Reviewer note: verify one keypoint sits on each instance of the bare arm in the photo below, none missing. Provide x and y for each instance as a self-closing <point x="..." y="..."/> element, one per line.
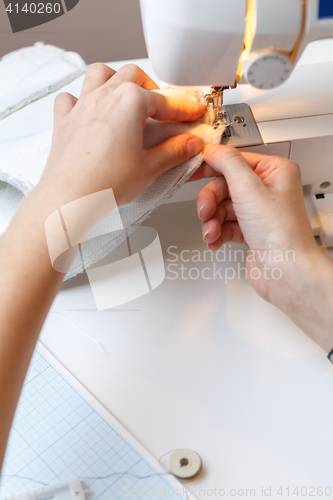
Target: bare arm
<point x="27" y="288"/>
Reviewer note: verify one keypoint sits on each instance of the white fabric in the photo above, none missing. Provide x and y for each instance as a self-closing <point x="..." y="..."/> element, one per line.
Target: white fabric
<point x="26" y="109"/>
<point x="28" y="74"/>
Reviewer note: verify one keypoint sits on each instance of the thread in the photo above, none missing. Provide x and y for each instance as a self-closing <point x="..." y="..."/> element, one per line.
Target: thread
<point x="95" y="478"/>
<point x="98" y="478"/>
<point x="81" y="331"/>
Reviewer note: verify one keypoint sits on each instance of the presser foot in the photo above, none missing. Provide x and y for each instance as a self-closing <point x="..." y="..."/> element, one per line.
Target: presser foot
<point x="241" y="128"/>
<point x="216" y="100"/>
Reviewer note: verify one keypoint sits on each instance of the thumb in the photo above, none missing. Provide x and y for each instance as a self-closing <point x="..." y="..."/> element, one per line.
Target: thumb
<point x="173" y="152"/>
<point x="231" y="164"/>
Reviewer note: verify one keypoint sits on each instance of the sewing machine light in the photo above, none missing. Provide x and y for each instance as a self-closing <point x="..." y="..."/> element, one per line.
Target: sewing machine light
<point x="250" y="31"/>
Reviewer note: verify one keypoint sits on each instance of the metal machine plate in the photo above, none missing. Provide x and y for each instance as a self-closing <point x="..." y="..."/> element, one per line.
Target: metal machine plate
<point x="243" y="130"/>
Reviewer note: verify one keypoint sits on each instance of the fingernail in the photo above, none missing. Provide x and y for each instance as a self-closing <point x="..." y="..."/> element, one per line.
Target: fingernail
<point x="210" y="148"/>
<point x="205" y="236"/>
<point x="199" y="208"/>
<point x="194" y="146"/>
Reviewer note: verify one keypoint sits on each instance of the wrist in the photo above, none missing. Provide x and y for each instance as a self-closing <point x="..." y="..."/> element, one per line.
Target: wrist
<point x="58" y="190"/>
<point x="68" y="225"/>
<point x="305" y="294"/>
<point x="25" y="239"/>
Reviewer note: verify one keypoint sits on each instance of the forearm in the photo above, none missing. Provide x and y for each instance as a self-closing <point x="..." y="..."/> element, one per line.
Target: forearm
<point x="305" y="294"/>
<point x="27" y="288"/>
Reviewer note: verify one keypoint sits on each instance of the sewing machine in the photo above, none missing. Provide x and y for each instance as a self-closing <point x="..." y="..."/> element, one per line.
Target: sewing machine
<point x="250" y="54"/>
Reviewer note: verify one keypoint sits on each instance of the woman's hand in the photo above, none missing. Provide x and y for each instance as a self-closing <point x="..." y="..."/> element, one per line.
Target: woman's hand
<point x="97" y="140"/>
<point x="258" y="200"/>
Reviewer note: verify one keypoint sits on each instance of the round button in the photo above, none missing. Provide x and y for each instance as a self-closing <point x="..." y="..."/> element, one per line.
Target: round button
<point x="185" y="463"/>
<point x="267" y="70"/>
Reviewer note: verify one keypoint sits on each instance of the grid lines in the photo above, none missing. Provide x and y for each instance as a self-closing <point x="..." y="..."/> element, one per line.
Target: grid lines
<point x="57" y="435"/>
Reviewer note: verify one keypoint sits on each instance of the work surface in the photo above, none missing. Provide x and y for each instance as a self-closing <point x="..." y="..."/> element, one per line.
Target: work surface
<point x="208" y="365"/>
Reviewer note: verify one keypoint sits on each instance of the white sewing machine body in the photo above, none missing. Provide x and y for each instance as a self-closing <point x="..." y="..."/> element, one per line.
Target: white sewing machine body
<point x="295" y="121"/>
<point x="218" y="43"/>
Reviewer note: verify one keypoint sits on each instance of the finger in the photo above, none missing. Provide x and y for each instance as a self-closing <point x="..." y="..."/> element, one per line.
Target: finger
<point x="234" y="167"/>
<point x="132" y="73"/>
<point x="259" y="161"/>
<point x="211" y="230"/>
<point x="210" y="196"/>
<point x="253" y="159"/>
<point x="63" y="104"/>
<point x="204" y="172"/>
<point x="225" y="211"/>
<point x="230" y="232"/>
<point x="165" y="108"/>
<point x="173" y="152"/>
<point x="97" y="74"/>
<point x="143" y="104"/>
<point x="267" y="166"/>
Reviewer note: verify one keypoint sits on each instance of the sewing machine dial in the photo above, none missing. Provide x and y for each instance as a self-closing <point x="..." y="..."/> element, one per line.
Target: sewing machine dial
<point x="267" y="70"/>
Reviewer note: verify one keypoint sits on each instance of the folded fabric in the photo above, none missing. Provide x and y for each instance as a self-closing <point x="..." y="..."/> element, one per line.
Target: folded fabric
<point x="32" y="72"/>
<point x="26" y="122"/>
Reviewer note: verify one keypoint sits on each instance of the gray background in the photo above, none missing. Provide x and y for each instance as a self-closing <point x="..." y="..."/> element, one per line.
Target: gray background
<point x="100" y="30"/>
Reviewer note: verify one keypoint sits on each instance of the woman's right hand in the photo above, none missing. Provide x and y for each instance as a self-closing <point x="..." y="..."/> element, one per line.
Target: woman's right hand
<point x="255" y="198"/>
<point x="258" y="200"/>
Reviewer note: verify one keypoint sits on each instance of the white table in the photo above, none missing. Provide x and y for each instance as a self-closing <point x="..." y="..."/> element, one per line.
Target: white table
<point x="206" y="365"/>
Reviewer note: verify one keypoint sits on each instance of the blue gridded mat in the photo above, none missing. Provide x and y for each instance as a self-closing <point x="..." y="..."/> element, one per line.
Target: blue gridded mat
<point x="58" y="435"/>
